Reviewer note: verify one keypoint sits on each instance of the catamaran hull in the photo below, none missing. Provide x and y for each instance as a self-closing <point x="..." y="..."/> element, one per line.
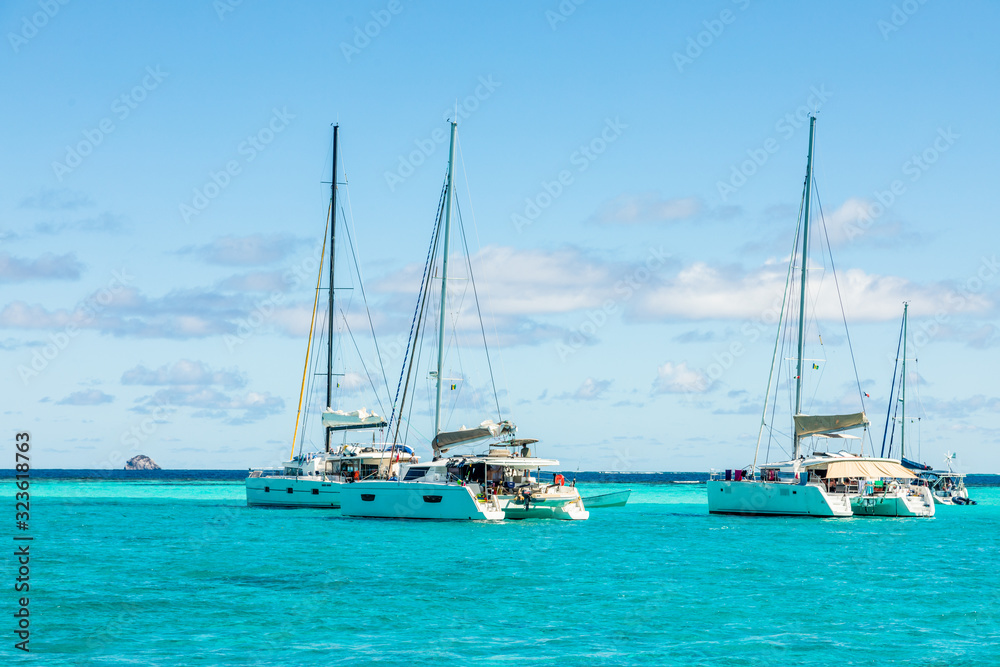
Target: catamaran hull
<point x="774" y="499"/>
<point x="894" y="505"/>
<point x="567" y="509"/>
<point x="415" y="500"/>
<point x="292" y="492"/>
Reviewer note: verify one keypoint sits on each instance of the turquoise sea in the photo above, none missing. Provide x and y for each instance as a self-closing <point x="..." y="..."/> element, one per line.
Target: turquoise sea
<point x="160" y="572"/>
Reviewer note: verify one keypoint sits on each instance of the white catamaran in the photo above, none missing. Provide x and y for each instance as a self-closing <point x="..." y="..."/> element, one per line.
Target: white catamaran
<point x="942" y="487"/>
<point x="801" y="485"/>
<point x="500" y="483"/>
<point x="314" y="479"/>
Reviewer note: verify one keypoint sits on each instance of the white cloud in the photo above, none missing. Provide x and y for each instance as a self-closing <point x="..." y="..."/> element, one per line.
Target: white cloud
<point x="51" y="199"/>
<point x="45" y="267"/>
<point x="213" y="404"/>
<point x="252" y="250"/>
<point x="679" y="379"/>
<point x="702" y="292"/>
<point x="184" y="372"/>
<point x="648" y="207"/>
<point x="86" y="397"/>
<point x="590" y="390"/>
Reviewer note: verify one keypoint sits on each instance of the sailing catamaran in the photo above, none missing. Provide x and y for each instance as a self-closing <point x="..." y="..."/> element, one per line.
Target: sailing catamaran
<point x="942" y="487"/>
<point x="798" y="486"/>
<point x="314" y="479"/>
<point x="496" y="485"/>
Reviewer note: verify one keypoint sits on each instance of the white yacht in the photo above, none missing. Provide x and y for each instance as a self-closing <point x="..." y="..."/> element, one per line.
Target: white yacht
<point x="947" y="487"/>
<point x="493" y="485"/>
<point x="797" y="486"/>
<point x="314" y="479"/>
<point x="885" y="486"/>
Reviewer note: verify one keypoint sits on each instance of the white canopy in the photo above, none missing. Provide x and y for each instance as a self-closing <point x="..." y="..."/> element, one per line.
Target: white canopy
<point x="338" y="420"/>
<point x="820" y="424"/>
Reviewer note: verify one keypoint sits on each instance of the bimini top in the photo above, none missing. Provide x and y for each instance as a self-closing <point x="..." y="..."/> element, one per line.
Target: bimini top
<point x="821" y="424"/>
<point x="338" y="420"/>
<point x="445" y="440"/>
<point x="867" y="468"/>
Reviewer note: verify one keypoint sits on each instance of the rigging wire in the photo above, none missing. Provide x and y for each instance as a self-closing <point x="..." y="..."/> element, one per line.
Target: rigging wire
<point x="363" y="366"/>
<point x="415" y="325"/>
<point x="775" y="358"/>
<point x="482" y="328"/>
<point x="892" y="395"/>
<point x="843" y="312"/>
<point x="361" y="283"/>
<point x="298" y="412"/>
<point x="489" y="293"/>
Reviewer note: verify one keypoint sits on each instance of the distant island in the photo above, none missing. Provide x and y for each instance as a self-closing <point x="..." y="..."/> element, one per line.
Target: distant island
<point x="141" y="462"/>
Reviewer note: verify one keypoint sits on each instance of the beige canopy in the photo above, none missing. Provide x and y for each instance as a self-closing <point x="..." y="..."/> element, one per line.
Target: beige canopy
<point x="867" y="468"/>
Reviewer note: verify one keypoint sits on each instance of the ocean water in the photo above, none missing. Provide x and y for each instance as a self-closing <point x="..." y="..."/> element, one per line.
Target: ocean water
<point x="182" y="572"/>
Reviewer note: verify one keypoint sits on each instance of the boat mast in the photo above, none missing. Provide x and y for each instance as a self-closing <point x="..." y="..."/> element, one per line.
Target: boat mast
<point x="444" y="275"/>
<point x="333" y="236"/>
<point x="802" y="296"/>
<point x="902" y="390"/>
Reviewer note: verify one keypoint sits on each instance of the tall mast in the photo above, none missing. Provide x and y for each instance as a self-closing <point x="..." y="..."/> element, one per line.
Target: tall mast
<point x="802" y="296"/>
<point x="444" y="275"/>
<point x="333" y="237"/>
<point x="902" y="428"/>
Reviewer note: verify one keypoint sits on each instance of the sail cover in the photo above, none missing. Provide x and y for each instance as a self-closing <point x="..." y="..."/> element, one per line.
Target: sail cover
<point x="870" y="469"/>
<point x="445" y="440"/>
<point x="338" y="420"/>
<point x="818" y="424"/>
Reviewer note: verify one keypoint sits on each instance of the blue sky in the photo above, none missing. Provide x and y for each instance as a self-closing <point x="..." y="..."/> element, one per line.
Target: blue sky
<point x="163" y="168"/>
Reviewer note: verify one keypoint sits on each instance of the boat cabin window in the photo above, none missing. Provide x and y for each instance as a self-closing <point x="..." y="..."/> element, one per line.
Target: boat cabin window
<point x="415" y="472"/>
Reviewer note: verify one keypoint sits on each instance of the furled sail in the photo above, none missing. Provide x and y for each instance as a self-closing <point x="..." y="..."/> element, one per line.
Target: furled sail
<point x="338" y="420"/>
<point x="445" y="440"/>
<point x="819" y="424"/>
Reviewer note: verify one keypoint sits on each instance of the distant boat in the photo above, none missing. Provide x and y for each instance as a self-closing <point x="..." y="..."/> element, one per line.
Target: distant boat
<point x="616" y="499"/>
<point x="947" y="486"/>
